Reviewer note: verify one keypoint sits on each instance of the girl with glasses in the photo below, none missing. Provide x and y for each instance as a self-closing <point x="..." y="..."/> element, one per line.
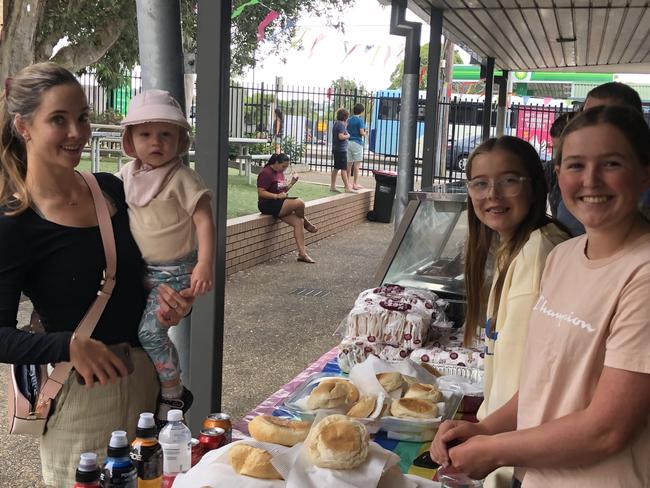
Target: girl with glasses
<point x="580" y="415"/>
<point x="507" y="221"/>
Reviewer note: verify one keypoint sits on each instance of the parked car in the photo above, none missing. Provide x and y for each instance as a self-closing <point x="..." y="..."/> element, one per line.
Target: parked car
<point x="458" y="151"/>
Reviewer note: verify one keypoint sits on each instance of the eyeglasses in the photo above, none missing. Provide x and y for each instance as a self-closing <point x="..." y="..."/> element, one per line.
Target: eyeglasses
<point x="507" y="186"/>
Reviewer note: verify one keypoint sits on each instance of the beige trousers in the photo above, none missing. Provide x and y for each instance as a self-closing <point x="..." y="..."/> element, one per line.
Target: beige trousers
<point x="83" y="418"/>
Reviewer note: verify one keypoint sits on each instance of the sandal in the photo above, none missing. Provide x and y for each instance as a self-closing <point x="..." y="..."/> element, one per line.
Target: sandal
<point x="309" y="227"/>
<point x="305" y="259"/>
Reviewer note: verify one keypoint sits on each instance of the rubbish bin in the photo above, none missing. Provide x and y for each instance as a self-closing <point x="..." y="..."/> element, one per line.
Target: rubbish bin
<point x="385" y="186"/>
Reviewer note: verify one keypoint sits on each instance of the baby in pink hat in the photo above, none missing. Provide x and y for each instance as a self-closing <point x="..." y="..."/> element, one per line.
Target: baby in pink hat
<point x="171" y="220"/>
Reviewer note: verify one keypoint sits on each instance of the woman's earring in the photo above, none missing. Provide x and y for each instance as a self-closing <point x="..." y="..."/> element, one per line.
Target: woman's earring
<point x="26" y="137"/>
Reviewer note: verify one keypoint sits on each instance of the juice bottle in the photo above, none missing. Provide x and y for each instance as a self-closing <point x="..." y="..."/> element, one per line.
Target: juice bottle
<point x="146" y="453"/>
<point x="118" y="470"/>
<point x="87" y="475"/>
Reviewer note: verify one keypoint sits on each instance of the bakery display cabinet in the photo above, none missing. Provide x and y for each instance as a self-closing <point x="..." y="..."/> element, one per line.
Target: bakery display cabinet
<point x="427" y="248"/>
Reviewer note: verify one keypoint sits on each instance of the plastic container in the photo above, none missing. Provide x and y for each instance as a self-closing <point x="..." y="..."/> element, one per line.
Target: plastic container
<point x="118" y="470"/>
<point x="385" y="187"/>
<point x="146" y="453"/>
<point x="176" y="441"/>
<point x="88" y="473"/>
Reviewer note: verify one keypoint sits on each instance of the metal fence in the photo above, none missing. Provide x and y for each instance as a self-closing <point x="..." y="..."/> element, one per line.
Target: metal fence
<point x="308" y="115"/>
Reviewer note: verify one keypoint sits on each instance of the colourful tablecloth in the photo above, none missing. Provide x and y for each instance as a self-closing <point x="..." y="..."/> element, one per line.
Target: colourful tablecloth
<point x="407" y="451"/>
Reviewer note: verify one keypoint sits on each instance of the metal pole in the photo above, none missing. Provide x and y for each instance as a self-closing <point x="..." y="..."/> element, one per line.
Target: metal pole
<point x="213" y="78"/>
<point x="487" y="104"/>
<point x="502" y="81"/>
<point x="161" y="46"/>
<point x="430" y="119"/>
<point x="408" y="106"/>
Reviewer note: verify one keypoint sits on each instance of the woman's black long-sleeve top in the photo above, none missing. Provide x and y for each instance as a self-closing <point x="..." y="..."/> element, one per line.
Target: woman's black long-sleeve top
<point x="59" y="268"/>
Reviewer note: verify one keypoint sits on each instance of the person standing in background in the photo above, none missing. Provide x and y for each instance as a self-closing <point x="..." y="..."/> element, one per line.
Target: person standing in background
<point x="340" y="138"/>
<point x="357" y="131"/>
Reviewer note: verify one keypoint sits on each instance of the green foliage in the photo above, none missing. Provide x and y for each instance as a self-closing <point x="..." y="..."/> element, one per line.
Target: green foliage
<point x="396" y="77"/>
<point x="343" y="91"/>
<point x="291" y="147"/>
<point x="280" y="33"/>
<point x="108" y="116"/>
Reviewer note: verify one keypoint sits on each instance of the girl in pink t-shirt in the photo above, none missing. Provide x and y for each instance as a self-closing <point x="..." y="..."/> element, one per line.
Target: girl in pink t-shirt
<point x="580" y="417"/>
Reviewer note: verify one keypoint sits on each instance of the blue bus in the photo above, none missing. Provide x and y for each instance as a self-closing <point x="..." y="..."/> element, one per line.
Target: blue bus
<point x="384" y="122"/>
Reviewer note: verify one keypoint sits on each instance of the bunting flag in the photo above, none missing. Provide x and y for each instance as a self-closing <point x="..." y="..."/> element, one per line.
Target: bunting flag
<point x="374" y="57"/>
<point x="270" y="17"/>
<point x="290" y="24"/>
<point x="238" y="11"/>
<point x="319" y="38"/>
<point x="369" y="47"/>
<point x="387" y="56"/>
<point x="296" y="42"/>
<point x="347" y="53"/>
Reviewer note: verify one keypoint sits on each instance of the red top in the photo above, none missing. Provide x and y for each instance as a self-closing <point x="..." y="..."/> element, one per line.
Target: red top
<point x="271" y="181"/>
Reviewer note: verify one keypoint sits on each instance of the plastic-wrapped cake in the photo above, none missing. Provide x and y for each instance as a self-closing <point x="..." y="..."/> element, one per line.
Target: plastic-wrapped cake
<point x="389" y="321"/>
<point x="447" y="348"/>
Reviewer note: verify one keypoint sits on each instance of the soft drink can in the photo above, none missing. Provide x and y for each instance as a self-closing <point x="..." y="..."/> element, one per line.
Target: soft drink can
<point x="220" y="420"/>
<point x="212" y="439"/>
<point x="197" y="451"/>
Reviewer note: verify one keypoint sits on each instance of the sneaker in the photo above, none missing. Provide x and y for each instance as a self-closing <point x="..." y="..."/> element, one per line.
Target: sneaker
<point x="166" y="404"/>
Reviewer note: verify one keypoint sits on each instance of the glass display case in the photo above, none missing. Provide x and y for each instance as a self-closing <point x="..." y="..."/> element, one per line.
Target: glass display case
<point x="427" y="249"/>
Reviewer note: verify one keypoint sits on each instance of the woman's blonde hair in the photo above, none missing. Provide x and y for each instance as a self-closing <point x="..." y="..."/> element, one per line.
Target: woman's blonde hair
<point x="481" y="238"/>
<point x="22" y="96"/>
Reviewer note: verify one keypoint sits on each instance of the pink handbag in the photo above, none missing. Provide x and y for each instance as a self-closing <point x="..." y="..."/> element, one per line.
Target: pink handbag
<point x="31" y="388"/>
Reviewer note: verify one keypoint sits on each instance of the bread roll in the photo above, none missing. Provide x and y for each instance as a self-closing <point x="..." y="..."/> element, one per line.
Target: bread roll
<point x="337" y="442"/>
<point x="363" y="408"/>
<point x="424" y="391"/>
<point x="267" y="428"/>
<point x="251" y="461"/>
<point x="413" y="408"/>
<point x="332" y="393"/>
<point x="390" y="381"/>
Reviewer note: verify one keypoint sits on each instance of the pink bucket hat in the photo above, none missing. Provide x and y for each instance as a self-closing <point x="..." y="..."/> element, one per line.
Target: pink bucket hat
<point x="153" y="106"/>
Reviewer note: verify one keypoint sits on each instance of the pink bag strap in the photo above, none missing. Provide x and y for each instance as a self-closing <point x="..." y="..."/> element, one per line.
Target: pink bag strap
<point x="61" y="371"/>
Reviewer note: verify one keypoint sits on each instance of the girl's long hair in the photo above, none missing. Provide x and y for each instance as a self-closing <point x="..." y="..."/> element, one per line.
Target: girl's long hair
<point x="482" y="240"/>
<point x="22" y="96"/>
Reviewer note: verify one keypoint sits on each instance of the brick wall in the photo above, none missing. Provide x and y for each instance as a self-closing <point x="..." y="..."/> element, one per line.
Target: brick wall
<point x="253" y="239"/>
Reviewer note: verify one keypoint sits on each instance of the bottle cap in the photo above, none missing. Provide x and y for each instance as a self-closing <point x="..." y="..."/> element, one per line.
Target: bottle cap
<point x="88" y="470"/>
<point x="118" y="446"/>
<point x="174" y="415"/>
<point x="146" y="426"/>
<point x="88" y="461"/>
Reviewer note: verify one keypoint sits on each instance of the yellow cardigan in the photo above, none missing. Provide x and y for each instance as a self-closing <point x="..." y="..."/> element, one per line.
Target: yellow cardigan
<point x="504" y="355"/>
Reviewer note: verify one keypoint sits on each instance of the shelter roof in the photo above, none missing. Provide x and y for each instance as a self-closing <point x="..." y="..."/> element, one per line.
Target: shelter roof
<point x="527" y="35"/>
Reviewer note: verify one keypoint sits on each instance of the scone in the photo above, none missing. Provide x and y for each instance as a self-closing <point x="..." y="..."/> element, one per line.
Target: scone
<point x="267" y="428"/>
<point x="337" y="442"/>
<point x="413" y="408"/>
<point x="251" y="461"/>
<point x="424" y="391"/>
<point x="363" y="408"/>
<point x="332" y="393"/>
<point x="390" y="381"/>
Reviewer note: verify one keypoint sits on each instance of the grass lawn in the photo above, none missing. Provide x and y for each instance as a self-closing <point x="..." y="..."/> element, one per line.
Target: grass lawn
<point x="242" y="197"/>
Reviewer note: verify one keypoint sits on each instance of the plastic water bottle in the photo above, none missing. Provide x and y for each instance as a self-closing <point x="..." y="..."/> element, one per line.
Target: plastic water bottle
<point x="176" y="441"/>
<point x="146" y="453"/>
<point x="118" y="470"/>
<point x="87" y="475"/>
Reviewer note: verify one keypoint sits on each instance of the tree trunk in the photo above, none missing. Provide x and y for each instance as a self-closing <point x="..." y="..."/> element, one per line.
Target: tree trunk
<point x="19" y="35"/>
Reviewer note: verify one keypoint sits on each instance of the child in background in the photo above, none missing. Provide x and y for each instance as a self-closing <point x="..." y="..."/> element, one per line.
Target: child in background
<point x="169" y="216"/>
<point x="340" y="138"/>
<point x="357" y="131"/>
<point x="507" y="189"/>
<point x="580" y="416"/>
